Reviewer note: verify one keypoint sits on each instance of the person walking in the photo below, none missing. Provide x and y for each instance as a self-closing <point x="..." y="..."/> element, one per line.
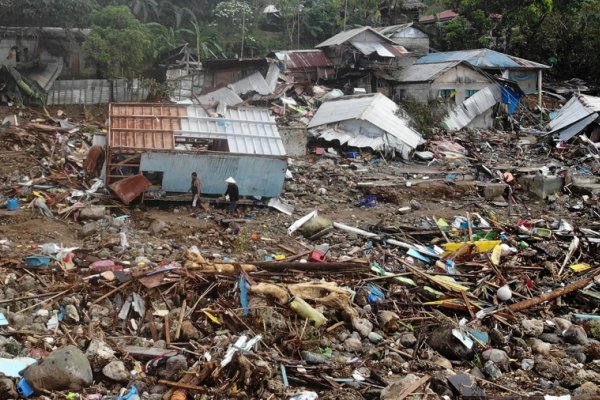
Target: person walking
<point x="196" y="189"/>
<point x="234" y="194"/>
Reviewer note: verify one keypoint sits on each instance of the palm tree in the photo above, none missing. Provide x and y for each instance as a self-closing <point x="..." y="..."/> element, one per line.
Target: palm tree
<point x="143" y="8"/>
<point x="204" y="48"/>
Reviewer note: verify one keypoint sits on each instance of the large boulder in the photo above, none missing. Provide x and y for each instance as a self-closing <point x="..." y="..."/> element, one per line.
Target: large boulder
<point x="64" y="369"/>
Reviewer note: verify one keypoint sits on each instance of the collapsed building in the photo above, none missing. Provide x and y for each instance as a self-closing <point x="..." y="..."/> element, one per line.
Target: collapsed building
<point x="167" y="142"/>
<point x="365" y="121"/>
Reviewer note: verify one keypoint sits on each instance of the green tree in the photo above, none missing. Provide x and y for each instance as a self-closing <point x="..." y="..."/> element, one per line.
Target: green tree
<point x="58" y="13"/>
<point x="119" y="44"/>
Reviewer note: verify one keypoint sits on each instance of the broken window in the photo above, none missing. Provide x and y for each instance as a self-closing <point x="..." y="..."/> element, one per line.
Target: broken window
<point x="470" y="92"/>
<point x="447" y="93"/>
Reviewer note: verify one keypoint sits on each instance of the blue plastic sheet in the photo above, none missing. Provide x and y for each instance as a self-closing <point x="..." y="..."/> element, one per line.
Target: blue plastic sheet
<point x="511" y="98"/>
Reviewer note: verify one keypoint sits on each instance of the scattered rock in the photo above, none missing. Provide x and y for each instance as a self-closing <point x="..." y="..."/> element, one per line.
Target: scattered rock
<point x="498" y="357"/>
<point x="174" y="367"/>
<point x="92" y="212"/>
<point x="408" y="339"/>
<point x="375" y="337"/>
<point x="548" y="369"/>
<point x="587" y="389"/>
<point x="532" y="327"/>
<point x="539" y="347"/>
<point x="527" y="364"/>
<point x="491" y="369"/>
<point x="575" y="334"/>
<point x="550" y="338"/>
<point x="189" y="331"/>
<point x="157" y="226"/>
<point x="446" y="344"/>
<point x="352" y="344"/>
<point x="89" y="229"/>
<point x="314" y="358"/>
<point x="64" y="369"/>
<point x="442" y="362"/>
<point x="415" y="205"/>
<point x="99" y="350"/>
<point x="71" y="313"/>
<point x="7" y="389"/>
<point x="362" y="326"/>
<point x="116" y="371"/>
<point x="594" y="328"/>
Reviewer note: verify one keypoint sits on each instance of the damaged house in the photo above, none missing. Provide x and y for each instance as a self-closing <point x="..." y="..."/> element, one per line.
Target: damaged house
<point x="528" y="74"/>
<point x="409" y="36"/>
<point x="167" y="142"/>
<point x="581" y="114"/>
<point x="190" y="78"/>
<point x="304" y="65"/>
<point x="454" y="81"/>
<point x="34" y="58"/>
<point x="365" y="121"/>
<point x="365" y="58"/>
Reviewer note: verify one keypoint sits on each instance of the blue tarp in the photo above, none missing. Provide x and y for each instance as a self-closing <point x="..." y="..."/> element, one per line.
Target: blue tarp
<point x="511" y="98"/>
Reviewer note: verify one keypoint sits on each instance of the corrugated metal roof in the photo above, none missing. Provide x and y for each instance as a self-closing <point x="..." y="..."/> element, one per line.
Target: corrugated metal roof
<point x="464" y="113"/>
<point x="302" y="59"/>
<point x="156" y="126"/>
<point x="402" y="31"/>
<point x="377" y="109"/>
<point x="442" y="16"/>
<point x="143" y="126"/>
<point x="425" y="72"/>
<point x="576" y="109"/>
<point x="130" y="188"/>
<point x="247" y="130"/>
<point x="252" y="83"/>
<point x="482" y="58"/>
<point x="222" y="95"/>
<point x="345" y="36"/>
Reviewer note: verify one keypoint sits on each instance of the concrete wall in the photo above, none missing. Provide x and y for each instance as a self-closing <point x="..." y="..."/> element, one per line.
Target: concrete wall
<point x="294" y="140"/>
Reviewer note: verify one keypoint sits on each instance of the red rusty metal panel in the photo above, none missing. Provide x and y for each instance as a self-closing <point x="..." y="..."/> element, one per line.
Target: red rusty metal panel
<point x="130" y="188"/>
<point x="144" y="126"/>
<point x="307" y="59"/>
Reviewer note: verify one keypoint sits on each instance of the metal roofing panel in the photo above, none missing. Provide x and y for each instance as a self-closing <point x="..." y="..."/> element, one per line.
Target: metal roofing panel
<point x="301" y="59"/>
<point x="252" y="83"/>
<point x="425" y="72"/>
<point x="247" y="130"/>
<point x="482" y="58"/>
<point x="345" y="36"/>
<point x="577" y="127"/>
<point x="368" y="48"/>
<point x="155" y="126"/>
<point x="130" y="188"/>
<point x="376" y="109"/>
<point x="143" y="126"/>
<point x="577" y="108"/>
<point x="464" y="113"/>
<point x="223" y="95"/>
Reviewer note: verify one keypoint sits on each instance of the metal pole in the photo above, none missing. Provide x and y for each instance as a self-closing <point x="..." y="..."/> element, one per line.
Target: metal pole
<point x="540" y="94"/>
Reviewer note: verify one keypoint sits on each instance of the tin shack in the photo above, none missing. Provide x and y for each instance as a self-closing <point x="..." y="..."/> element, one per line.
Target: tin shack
<point x="167" y="142"/>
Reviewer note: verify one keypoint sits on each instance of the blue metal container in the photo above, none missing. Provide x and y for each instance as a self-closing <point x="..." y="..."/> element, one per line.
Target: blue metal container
<point x="12" y="204"/>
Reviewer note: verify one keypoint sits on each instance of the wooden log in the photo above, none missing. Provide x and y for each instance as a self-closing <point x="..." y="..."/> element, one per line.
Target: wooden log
<point x="580" y="284"/>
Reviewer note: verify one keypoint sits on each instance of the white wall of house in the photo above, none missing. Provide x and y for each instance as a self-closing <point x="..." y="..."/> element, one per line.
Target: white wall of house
<point x="460" y="80"/>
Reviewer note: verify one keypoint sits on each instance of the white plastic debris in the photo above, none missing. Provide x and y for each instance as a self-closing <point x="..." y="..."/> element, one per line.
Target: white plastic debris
<point x="298" y="223"/>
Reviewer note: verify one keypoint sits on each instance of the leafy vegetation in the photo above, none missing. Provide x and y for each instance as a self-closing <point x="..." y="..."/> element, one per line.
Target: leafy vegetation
<point x="118" y="43"/>
<point x="564" y="33"/>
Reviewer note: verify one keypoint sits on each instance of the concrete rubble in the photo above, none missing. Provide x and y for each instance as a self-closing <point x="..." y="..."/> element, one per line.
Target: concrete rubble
<point x="470" y="270"/>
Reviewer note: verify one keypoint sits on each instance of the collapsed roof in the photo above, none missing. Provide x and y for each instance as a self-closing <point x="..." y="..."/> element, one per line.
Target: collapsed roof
<point x="576" y="115"/>
<point x="365" y="121"/>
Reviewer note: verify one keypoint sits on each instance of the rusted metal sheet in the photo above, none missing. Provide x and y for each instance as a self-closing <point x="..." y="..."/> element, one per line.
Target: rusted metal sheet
<point x="144" y="126"/>
<point x="303" y="59"/>
<point x="130" y="188"/>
